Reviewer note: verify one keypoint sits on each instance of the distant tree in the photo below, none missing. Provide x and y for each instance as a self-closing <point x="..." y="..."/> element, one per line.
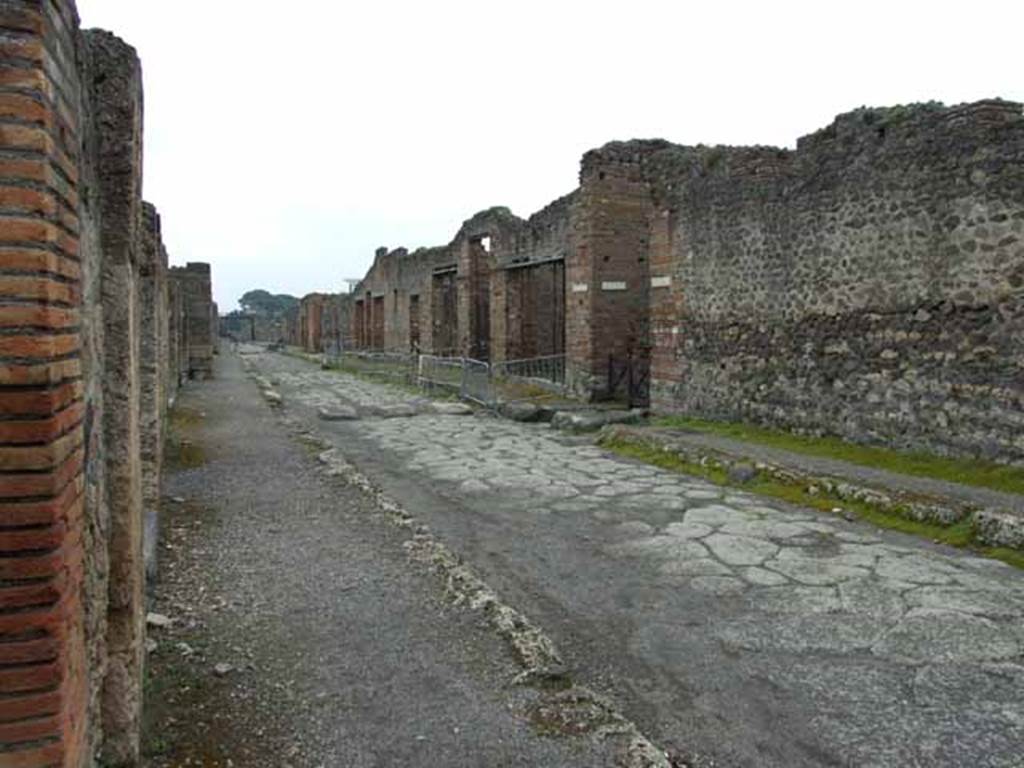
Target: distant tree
<point x="261" y="302"/>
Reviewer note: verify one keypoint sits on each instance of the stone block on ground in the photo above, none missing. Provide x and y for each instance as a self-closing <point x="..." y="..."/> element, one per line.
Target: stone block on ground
<point x="742" y="472"/>
<point x="527" y="412"/>
<point x="450" y="409"/>
<point x="999" y="528"/>
<point x="592" y="421"/>
<point x="397" y="411"/>
<point x="337" y="413"/>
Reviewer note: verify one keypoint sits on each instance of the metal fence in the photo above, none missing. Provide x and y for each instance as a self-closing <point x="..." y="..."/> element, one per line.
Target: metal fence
<point x="392" y="366"/>
<point x="490" y="384"/>
<point x="494" y="383"/>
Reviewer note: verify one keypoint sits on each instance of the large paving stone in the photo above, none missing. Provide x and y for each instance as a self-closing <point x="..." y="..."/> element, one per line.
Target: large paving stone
<point x="740" y="550"/>
<point x="337" y="413"/>
<point x="946" y="636"/>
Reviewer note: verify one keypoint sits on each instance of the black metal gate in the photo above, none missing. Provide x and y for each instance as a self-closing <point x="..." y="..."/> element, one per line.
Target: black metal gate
<point x="632" y="377"/>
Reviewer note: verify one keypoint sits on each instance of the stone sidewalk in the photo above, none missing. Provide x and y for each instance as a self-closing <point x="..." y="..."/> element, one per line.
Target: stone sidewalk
<point x="747" y="632"/>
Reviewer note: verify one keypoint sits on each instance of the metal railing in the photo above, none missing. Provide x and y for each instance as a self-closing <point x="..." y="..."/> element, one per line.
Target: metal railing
<point x="491" y="384"/>
<point x="390" y="365"/>
<point x="548" y="369"/>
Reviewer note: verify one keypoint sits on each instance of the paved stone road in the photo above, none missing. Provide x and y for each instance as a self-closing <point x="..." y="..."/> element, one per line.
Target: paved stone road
<point x="752" y="632"/>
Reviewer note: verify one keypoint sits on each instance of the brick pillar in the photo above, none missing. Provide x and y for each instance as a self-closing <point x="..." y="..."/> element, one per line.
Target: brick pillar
<point x="42" y="648"/>
<point x="608" y="277"/>
<point x="116" y="95"/>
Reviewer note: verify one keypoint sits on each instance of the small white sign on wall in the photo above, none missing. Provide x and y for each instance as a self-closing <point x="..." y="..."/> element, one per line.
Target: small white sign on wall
<point x="613" y="286"/>
<point x="661" y="281"/>
<point x="579" y="287"/>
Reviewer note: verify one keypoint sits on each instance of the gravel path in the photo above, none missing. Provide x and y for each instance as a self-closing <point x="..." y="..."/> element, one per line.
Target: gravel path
<point x="302" y="634"/>
<point x="732" y="630"/>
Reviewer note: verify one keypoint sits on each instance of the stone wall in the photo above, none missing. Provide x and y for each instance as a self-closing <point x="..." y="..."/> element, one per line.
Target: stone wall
<point x="391" y="306"/>
<point x="868" y="284"/>
<point x="458" y="299"/>
<point x="198" y="320"/>
<point x="91" y="330"/>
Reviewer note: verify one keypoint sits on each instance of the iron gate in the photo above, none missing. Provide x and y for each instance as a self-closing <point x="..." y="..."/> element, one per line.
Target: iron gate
<point x="632" y="376"/>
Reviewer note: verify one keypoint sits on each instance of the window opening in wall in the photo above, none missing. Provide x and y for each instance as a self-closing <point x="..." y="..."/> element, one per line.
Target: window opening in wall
<point x="485" y="243"/>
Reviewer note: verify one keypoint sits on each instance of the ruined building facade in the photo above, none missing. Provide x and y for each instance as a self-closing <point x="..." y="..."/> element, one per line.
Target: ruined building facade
<point x="320" y="323"/>
<point x="96" y="336"/>
<point x="866" y="284"/>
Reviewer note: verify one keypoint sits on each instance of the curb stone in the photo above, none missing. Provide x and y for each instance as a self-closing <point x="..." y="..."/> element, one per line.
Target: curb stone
<point x="993" y="527"/>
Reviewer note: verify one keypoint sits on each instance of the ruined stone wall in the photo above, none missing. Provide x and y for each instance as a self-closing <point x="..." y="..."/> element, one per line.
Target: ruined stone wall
<point x="310" y="319"/>
<point x="453" y="299"/>
<point x="198" y="325"/>
<point x="868" y="284"/>
<point x="397" y="284"/>
<point x="88" y="336"/>
<point x="528" y="304"/>
<point x="335" y="323"/>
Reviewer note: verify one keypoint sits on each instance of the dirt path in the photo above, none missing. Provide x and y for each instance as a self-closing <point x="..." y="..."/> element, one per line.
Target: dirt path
<point x="335" y="648"/>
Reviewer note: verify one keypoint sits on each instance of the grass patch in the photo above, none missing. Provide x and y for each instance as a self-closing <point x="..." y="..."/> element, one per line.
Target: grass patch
<point x="182" y="417"/>
<point x="960" y="535"/>
<point x="985" y="474"/>
<point x="180" y="450"/>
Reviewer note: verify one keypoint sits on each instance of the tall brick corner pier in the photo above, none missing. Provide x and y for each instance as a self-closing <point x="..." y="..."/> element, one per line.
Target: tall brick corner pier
<point x="96" y="336"/>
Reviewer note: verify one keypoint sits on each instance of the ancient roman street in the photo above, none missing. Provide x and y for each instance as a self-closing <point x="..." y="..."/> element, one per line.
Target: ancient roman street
<point x="726" y="629"/>
<point x="594" y="385"/>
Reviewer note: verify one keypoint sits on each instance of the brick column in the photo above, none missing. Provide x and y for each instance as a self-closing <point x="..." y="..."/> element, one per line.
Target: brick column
<point x="608" y="274"/>
<point x="42" y="650"/>
<point x="666" y="309"/>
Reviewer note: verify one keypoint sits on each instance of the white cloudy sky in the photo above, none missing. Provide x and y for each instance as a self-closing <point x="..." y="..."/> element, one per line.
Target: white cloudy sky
<point x="286" y="141"/>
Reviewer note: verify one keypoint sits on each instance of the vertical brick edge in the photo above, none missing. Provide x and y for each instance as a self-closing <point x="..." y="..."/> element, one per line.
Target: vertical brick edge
<point x="42" y="656"/>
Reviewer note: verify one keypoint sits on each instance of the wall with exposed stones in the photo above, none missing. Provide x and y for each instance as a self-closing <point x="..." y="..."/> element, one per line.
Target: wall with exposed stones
<point x="868" y="284"/>
<point x="91" y="329"/>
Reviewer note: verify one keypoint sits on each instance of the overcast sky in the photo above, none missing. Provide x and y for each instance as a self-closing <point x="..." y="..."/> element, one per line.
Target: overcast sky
<point x="286" y="141"/>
